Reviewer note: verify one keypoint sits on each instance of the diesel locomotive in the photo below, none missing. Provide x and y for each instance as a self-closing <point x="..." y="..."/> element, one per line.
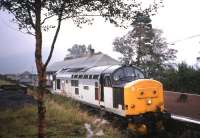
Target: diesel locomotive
<point x="120" y="90"/>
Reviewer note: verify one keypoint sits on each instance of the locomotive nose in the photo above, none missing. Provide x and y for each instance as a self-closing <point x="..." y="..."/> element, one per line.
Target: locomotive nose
<point x="143" y="96"/>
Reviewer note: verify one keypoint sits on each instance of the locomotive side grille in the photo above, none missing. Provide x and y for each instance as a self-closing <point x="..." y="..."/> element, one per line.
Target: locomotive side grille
<point x="118" y="97"/>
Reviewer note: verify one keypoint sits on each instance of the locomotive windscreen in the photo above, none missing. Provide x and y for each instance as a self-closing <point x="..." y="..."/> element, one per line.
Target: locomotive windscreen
<point x="127" y="74"/>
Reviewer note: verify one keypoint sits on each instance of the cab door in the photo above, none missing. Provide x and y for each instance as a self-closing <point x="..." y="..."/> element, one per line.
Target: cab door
<point x="106" y="95"/>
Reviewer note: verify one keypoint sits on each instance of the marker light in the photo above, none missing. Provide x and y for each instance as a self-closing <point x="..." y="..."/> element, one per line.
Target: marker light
<point x="149" y="101"/>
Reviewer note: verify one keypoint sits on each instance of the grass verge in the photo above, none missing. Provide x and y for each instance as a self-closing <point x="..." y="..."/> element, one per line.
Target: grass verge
<point x="64" y="117"/>
<point x="4" y="82"/>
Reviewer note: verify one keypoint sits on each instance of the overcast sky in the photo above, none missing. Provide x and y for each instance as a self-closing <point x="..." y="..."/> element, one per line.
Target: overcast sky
<point x="179" y="19"/>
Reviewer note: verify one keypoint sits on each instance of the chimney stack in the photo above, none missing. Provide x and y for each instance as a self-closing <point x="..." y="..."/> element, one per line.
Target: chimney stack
<point x="90" y="50"/>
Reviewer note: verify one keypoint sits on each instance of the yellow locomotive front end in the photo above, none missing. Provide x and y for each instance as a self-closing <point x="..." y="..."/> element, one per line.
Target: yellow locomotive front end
<point x="144" y="105"/>
<point x="142" y="99"/>
<point x="142" y="96"/>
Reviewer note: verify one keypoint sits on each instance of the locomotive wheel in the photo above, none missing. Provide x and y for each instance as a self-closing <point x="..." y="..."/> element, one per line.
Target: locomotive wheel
<point x="140" y="129"/>
<point x="159" y="126"/>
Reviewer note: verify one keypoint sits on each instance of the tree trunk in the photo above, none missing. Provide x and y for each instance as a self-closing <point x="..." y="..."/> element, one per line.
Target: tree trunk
<point x="41" y="107"/>
<point x="41" y="86"/>
<point x="41" y="71"/>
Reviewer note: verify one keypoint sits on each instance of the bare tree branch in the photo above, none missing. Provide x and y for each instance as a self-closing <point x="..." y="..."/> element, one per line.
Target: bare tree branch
<point x="55" y="36"/>
<point x="29" y="32"/>
<point x="46" y="18"/>
<point x="85" y="15"/>
<point x="31" y="19"/>
<point x="53" y="44"/>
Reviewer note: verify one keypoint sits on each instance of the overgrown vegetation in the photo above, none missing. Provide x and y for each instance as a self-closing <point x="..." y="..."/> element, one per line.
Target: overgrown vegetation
<point x="183" y="79"/>
<point x="18" y="123"/>
<point x="145" y="47"/>
<point x="68" y="109"/>
<point x="65" y="118"/>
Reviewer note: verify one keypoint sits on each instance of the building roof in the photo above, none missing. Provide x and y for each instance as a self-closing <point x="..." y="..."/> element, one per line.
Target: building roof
<point x="83" y="62"/>
<point x="26" y="73"/>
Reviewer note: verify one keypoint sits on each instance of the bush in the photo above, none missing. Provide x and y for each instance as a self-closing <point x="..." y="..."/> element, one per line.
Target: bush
<point x="183" y="79"/>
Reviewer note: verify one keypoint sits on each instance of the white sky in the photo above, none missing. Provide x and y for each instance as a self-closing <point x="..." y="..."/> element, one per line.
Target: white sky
<point x="179" y="19"/>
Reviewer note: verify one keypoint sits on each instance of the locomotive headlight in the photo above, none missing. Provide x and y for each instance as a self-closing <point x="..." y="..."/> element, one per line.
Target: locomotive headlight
<point x="149" y="101"/>
<point x="133" y="89"/>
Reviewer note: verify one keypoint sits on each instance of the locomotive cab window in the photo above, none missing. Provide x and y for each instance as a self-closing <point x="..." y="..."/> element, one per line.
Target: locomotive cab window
<point x="139" y="74"/>
<point x="127" y="74"/>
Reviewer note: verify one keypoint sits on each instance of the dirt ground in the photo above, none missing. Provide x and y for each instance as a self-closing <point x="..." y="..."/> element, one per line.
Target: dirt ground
<point x="14" y="98"/>
<point x="187" y="105"/>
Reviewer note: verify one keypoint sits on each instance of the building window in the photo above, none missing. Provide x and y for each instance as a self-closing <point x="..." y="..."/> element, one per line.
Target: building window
<point x="95" y="76"/>
<point x="86" y="87"/>
<point x="80" y="76"/>
<point x="96" y="93"/>
<point x="58" y="83"/>
<point x="76" y="91"/>
<point x="85" y="77"/>
<point x="90" y="76"/>
<point x="74" y="83"/>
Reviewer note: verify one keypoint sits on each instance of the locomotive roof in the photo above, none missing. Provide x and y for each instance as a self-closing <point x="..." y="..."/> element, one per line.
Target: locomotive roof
<point x="108" y="69"/>
<point x="83" y="62"/>
<point x="90" y="71"/>
<point x="102" y="69"/>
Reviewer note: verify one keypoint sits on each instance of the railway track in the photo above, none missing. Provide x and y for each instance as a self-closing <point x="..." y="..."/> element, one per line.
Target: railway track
<point x="176" y="127"/>
<point x="185" y="119"/>
<point x="182" y="127"/>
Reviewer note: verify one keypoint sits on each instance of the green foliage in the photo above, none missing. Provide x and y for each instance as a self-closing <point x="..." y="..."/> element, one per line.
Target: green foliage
<point x="67" y="109"/>
<point x="184" y="79"/>
<point x="77" y="51"/>
<point x="18" y="123"/>
<point x="144" y="47"/>
<point x="80" y="12"/>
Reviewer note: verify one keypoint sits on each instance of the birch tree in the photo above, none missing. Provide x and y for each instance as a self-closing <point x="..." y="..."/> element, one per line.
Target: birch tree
<point x="32" y="17"/>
